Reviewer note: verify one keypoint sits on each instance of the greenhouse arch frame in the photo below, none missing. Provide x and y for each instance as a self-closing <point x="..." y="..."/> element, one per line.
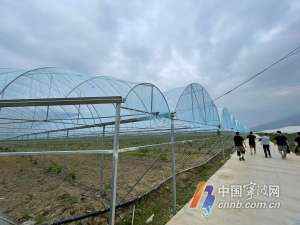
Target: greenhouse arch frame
<point x="144" y="107"/>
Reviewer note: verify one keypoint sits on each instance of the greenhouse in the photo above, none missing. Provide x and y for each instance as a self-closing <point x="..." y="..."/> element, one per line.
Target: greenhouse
<point x="117" y="138"/>
<point x="193" y="106"/>
<point x="145" y="107"/>
<point x="227" y="120"/>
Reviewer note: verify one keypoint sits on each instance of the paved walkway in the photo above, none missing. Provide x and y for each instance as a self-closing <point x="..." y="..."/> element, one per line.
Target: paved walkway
<point x="262" y="171"/>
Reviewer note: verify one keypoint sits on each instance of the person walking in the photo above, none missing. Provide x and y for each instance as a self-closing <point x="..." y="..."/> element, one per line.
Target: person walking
<point x="297" y="143"/>
<point x="239" y="145"/>
<point x="251" y="137"/>
<point x="265" y="141"/>
<point x="281" y="142"/>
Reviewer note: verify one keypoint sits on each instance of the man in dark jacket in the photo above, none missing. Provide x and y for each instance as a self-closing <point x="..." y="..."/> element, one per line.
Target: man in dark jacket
<point x="297" y="142"/>
<point x="239" y="145"/>
<point x="281" y="142"/>
<point x="252" y="144"/>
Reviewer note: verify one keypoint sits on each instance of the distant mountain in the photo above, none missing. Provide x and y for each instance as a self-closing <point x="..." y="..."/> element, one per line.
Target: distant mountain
<point x="289" y="121"/>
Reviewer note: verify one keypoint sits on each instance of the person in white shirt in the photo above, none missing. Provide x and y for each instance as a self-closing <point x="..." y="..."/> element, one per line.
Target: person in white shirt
<point x="265" y="141"/>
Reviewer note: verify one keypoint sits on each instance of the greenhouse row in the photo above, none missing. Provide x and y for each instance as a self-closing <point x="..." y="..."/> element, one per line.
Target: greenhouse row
<point x="144" y="108"/>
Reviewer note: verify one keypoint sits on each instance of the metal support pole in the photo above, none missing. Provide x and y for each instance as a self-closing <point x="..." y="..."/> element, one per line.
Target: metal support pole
<point x="151" y="107"/>
<point x="115" y="166"/>
<point x="192" y="97"/>
<point x="204" y="106"/>
<point x="102" y="163"/>
<point x="219" y="132"/>
<point x="173" y="146"/>
<point x="78" y="114"/>
<point x="47" y="113"/>
<point x="65" y="142"/>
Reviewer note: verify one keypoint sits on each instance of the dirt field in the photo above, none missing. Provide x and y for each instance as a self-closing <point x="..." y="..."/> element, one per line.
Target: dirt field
<point x="48" y="188"/>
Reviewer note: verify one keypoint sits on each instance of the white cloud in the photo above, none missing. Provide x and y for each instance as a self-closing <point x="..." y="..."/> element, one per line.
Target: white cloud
<point x="217" y="45"/>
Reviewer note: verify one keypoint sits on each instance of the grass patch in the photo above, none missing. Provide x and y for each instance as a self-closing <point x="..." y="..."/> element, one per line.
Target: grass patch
<point x="69" y="199"/>
<point x="55" y="168"/>
<point x="6" y="149"/>
<point x="71" y="175"/>
<point x="39" y="219"/>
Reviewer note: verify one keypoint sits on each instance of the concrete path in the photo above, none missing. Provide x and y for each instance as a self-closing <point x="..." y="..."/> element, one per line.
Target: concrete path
<point x="268" y="174"/>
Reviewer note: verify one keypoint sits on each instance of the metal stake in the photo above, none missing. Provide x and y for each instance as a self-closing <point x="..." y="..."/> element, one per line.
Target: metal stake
<point x="173" y="146"/>
<point x="222" y="143"/>
<point x="102" y="163"/>
<point x="115" y="166"/>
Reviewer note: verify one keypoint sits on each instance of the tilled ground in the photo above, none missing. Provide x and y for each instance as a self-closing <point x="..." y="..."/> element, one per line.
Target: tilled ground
<point x="48" y="188"/>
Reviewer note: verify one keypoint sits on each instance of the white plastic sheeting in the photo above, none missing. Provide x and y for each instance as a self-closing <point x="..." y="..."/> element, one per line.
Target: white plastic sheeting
<point x="145" y="107"/>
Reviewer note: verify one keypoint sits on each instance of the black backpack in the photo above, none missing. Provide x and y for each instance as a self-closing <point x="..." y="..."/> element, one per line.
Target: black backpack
<point x="288" y="149"/>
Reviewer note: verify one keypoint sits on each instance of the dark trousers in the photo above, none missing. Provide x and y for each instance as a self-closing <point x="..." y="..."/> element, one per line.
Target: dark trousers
<point x="267" y="150"/>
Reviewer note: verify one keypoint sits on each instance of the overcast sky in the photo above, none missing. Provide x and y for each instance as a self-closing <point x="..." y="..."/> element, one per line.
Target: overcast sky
<point x="169" y="43"/>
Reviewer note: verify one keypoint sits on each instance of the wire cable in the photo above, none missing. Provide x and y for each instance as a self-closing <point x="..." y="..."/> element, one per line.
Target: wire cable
<point x="291" y="53"/>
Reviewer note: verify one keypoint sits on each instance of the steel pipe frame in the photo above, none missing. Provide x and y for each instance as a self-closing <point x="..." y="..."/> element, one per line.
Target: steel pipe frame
<point x="115" y="157"/>
<point x="60" y="101"/>
<point x="130" y="120"/>
<point x="102" y="163"/>
<point x="97" y="100"/>
<point x="173" y="151"/>
<point x="74" y="101"/>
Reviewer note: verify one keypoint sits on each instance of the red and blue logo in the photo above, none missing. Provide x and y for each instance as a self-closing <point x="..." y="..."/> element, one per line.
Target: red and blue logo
<point x="208" y="201"/>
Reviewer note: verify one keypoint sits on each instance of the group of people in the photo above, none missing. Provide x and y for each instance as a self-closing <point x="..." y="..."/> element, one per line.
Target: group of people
<point x="280" y="140"/>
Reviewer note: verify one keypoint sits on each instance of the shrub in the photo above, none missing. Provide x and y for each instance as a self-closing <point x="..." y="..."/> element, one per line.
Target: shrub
<point x="55" y="168"/>
<point x="71" y="175"/>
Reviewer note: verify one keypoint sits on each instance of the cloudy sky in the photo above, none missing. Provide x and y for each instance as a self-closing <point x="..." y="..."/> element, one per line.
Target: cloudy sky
<point x="168" y="43"/>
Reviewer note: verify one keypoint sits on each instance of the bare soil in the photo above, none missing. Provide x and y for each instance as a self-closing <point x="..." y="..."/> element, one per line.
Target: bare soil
<point x="48" y="188"/>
